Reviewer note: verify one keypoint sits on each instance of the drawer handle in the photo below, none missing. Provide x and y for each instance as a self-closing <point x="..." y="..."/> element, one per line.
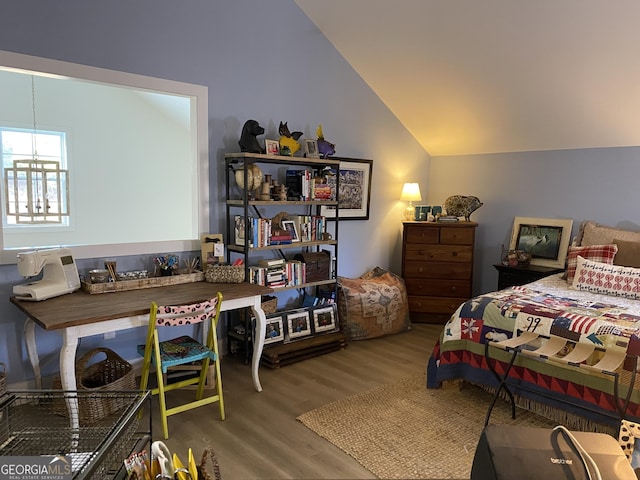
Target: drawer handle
<point x="453" y="289"/>
<point x="420" y="269"/>
<point x="454" y="254"/>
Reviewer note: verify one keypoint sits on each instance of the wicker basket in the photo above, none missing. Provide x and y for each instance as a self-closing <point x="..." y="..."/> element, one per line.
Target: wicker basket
<point x="269" y="305"/>
<point x="224" y="274"/>
<point x="113" y="374"/>
<point x="209" y="468"/>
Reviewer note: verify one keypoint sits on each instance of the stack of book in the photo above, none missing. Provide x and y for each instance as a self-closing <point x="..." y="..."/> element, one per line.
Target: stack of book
<point x="275" y="274"/>
<point x="281" y="239"/>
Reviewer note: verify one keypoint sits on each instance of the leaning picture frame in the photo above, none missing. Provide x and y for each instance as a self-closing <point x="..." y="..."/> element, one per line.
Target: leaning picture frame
<point x="324" y="319"/>
<point x="274" y="329"/>
<point x="272" y="147"/>
<point x="354" y="191"/>
<point x="311" y="148"/>
<point x="546" y="239"/>
<point x="298" y="324"/>
<point x="291" y="227"/>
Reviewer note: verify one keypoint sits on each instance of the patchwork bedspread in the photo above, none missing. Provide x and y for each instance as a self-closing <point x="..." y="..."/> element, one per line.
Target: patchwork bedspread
<point x="546" y="309"/>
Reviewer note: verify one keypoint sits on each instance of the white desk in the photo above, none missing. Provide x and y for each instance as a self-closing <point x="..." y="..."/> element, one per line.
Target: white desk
<point x="80" y="314"/>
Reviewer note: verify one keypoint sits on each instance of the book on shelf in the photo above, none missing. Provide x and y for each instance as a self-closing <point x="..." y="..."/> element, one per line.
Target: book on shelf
<point x="283" y="239"/>
<point x="293" y="181"/>
<point x="280" y="242"/>
<point x="321" y="191"/>
<point x="270" y="262"/>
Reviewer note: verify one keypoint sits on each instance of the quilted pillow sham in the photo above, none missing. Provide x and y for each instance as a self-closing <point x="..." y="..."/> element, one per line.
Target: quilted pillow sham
<point x="606" y="279"/>
<point x="596" y="253"/>
<point x="592" y="233"/>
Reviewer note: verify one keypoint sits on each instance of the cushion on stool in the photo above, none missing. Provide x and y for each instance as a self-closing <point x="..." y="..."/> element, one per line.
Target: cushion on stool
<point x="373" y="305"/>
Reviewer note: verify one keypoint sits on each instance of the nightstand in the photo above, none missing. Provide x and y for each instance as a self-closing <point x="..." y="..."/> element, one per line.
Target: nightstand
<point x="511" y="276"/>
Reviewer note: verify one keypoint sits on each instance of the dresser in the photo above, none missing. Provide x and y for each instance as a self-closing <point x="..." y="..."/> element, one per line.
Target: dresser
<point x="437" y="267"/>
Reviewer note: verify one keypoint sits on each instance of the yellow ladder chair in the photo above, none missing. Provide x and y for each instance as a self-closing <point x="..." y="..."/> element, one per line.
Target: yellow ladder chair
<point x="180" y="351"/>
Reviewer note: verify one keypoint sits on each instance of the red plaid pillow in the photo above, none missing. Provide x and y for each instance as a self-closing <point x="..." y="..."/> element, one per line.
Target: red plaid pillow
<point x="595" y="253"/>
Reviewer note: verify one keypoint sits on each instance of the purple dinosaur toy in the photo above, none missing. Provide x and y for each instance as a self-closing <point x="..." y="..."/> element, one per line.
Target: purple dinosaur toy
<point x="325" y="149"/>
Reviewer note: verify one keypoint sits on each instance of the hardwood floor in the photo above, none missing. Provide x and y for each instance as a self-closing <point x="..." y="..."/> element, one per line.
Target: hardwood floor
<point x="261" y="438"/>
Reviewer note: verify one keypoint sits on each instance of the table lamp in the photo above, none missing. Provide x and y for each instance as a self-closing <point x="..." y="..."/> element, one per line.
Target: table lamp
<point x="410" y="193"/>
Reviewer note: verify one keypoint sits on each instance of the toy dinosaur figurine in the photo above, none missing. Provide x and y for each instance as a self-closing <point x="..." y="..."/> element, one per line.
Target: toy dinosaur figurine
<point x="288" y="141"/>
<point x="325" y="148"/>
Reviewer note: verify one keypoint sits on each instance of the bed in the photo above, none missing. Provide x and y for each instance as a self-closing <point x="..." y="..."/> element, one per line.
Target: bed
<point x="595" y="302"/>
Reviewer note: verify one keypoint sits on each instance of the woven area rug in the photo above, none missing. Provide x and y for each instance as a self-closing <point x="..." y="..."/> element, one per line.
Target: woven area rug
<point x="403" y="430"/>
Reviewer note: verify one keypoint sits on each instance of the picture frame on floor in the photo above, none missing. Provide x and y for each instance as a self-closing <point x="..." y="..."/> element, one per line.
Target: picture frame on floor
<point x="324" y="319"/>
<point x="298" y="324"/>
<point x="274" y="329"/>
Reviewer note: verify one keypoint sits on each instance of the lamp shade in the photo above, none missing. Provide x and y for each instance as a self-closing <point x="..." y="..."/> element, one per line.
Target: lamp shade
<point x="410" y="193"/>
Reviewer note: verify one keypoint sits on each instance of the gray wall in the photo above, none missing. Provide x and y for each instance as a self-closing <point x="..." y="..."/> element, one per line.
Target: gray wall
<point x="262" y="60"/>
<point x="591" y="184"/>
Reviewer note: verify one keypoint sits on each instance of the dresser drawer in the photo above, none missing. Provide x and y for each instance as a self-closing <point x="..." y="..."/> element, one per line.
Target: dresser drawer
<point x="438" y="288"/>
<point x="438" y="253"/>
<point x="434" y="304"/>
<point x="419" y="234"/>
<point x="457" y="236"/>
<point x="446" y="270"/>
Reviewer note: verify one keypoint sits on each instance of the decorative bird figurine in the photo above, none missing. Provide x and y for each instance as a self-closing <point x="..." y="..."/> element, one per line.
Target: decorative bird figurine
<point x="288" y="141"/>
<point x="325" y="148"/>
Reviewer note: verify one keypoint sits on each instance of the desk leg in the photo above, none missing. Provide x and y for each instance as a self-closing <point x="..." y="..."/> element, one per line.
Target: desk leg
<point x="68" y="373"/>
<point x="32" y="350"/>
<point x="258" y="341"/>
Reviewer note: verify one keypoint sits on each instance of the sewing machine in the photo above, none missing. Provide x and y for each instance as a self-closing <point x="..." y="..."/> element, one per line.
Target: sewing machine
<point x="60" y="274"/>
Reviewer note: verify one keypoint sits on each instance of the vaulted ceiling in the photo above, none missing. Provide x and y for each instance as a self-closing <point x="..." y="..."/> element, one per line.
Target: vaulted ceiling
<point x="487" y="76"/>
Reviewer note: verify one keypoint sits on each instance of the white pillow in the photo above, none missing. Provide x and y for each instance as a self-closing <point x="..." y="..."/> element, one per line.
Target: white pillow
<point x="605" y="279"/>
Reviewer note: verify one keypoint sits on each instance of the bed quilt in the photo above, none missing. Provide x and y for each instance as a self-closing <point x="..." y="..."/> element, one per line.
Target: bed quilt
<point x="459" y="354"/>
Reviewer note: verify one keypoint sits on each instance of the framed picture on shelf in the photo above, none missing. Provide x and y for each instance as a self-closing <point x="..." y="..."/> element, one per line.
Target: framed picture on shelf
<point x="298" y="324"/>
<point x="422" y="212"/>
<point x="290" y="226"/>
<point x="546" y="239"/>
<point x="324" y="319"/>
<point x="311" y="148"/>
<point x="354" y="196"/>
<point x="238" y="229"/>
<point x="272" y="147"/>
<point x="275" y="329"/>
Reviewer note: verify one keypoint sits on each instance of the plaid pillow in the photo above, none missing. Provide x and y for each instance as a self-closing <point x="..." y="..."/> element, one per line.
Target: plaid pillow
<point x="596" y="253"/>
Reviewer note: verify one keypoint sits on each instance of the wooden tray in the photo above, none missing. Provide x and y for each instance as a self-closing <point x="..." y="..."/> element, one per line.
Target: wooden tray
<point x="123" y="285"/>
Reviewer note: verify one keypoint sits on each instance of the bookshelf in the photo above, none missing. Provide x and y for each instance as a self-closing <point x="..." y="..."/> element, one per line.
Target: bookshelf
<point x="275" y="225"/>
